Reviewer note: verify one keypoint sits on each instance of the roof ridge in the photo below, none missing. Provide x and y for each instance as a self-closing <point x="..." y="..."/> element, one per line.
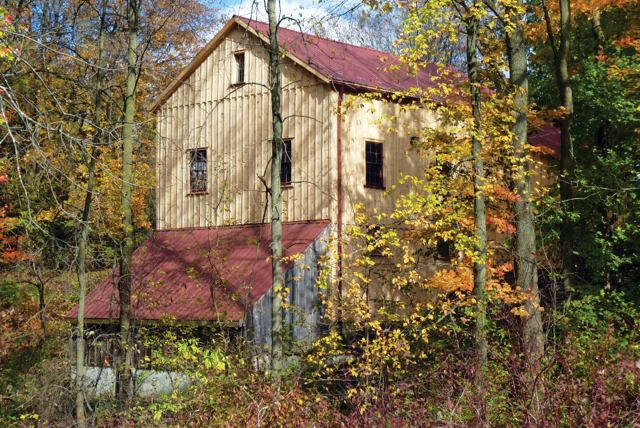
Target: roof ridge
<point x="249" y="20"/>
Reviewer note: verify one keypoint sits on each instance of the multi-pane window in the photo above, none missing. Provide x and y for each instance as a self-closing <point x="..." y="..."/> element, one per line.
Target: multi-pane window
<point x="198" y="171"/>
<point x="240" y="68"/>
<point x="285" y="163"/>
<point x="374" y="165"/>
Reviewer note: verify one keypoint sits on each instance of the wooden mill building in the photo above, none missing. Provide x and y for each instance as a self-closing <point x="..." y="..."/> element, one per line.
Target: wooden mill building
<point x="208" y="260"/>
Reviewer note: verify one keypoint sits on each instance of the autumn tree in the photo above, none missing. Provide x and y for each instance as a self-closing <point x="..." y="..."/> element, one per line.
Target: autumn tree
<point x="90" y="158"/>
<point x="63" y="137"/>
<point x="278" y="283"/>
<point x="124" y="385"/>
<point x="460" y="200"/>
<point x="512" y="18"/>
<point x="560" y="46"/>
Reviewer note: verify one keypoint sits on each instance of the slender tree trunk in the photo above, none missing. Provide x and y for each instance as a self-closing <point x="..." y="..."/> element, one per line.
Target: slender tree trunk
<point x="124" y="385"/>
<point x="601" y="139"/>
<point x="278" y="291"/>
<point x="567" y="159"/>
<point x="479" y="265"/>
<point x="84" y="229"/>
<point x="42" y="308"/>
<point x="598" y="32"/>
<point x="525" y="251"/>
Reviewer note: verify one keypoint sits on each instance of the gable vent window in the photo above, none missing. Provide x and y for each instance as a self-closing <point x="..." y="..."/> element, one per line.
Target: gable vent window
<point x="374" y="165"/>
<point x="240" y="67"/>
<point x="197" y="171"/>
<point x="285" y="164"/>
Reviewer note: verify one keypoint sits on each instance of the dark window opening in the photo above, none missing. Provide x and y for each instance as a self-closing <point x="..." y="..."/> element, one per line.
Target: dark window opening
<point x="198" y="171"/>
<point x="285" y="163"/>
<point x="239" y="67"/>
<point x="447" y="169"/>
<point x="414" y="142"/>
<point x="374" y="165"/>
<point x="444" y="250"/>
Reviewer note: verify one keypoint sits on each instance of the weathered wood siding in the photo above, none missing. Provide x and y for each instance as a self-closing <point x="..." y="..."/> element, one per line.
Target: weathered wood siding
<point x="304" y="296"/>
<point x="234" y="124"/>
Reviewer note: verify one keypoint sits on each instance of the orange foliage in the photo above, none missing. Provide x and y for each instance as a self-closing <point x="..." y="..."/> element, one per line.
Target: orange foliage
<point x="459" y="279"/>
<point x="501" y="224"/>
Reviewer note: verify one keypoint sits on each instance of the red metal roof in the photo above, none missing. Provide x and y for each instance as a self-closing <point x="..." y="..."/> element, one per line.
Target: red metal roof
<point x="201" y="274"/>
<point x="367" y="68"/>
<point x="547" y="136"/>
<point x="348" y="64"/>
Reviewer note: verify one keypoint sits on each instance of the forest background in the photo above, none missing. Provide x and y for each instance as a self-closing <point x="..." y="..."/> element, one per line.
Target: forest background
<point x="497" y="347"/>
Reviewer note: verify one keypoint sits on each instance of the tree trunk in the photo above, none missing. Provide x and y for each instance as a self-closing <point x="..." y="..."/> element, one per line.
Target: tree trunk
<point x="598" y="32"/>
<point x="479" y="210"/>
<point x="525" y="251"/>
<point x="278" y="291"/>
<point x="124" y="378"/>
<point x="567" y="159"/>
<point x="84" y="232"/>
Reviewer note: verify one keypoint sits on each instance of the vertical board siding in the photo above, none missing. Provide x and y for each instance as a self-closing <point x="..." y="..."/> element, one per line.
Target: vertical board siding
<point x="234" y="124"/>
<point x="304" y="296"/>
<point x="370" y="121"/>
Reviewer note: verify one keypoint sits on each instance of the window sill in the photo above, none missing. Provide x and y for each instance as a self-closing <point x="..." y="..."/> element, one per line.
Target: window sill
<point x="286" y="186"/>
<point x="369" y="186"/>
<point x="237" y="84"/>
<point x="197" y="193"/>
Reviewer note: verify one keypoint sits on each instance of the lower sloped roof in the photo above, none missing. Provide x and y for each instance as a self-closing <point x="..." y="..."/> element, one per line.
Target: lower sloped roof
<point x="212" y="274"/>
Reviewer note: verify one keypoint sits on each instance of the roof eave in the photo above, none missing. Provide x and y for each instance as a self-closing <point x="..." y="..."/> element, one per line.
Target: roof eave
<point x="294" y="58"/>
<point x="187" y="71"/>
<point x="177" y="322"/>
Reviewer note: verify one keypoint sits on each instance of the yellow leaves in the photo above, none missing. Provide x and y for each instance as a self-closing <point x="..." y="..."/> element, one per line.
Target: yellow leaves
<point x="106" y="212"/>
<point x="88" y="130"/>
<point x="48" y="214"/>
<point x="519" y="311"/>
<point x="543" y="150"/>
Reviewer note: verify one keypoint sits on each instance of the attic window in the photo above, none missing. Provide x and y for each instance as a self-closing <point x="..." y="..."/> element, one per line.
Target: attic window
<point x="197" y="171"/>
<point x="374" y="165"/>
<point x="285" y="164"/>
<point x="240" y="67"/>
